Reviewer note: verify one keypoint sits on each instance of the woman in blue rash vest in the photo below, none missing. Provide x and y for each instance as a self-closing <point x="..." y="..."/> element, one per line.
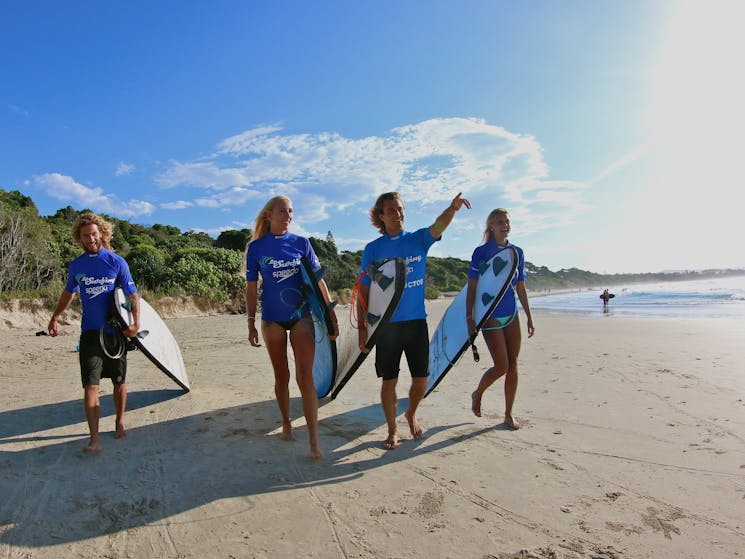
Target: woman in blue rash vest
<point x="502" y="330"/>
<point x="275" y="253"/>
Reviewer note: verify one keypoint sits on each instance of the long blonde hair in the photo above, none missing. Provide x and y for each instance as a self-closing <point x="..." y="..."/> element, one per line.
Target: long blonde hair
<point x="377" y="209"/>
<point x="89" y="218"/>
<point x="488" y="235"/>
<point x="262" y="225"/>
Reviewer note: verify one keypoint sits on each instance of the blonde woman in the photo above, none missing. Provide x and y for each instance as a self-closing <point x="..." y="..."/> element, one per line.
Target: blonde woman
<point x="502" y="330"/>
<point x="275" y="253"/>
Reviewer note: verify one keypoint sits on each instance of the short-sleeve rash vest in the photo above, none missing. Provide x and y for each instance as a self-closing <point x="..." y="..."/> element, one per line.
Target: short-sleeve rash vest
<point x="96" y="276"/>
<point x="483" y="253"/>
<point x="413" y="248"/>
<point x="277" y="259"/>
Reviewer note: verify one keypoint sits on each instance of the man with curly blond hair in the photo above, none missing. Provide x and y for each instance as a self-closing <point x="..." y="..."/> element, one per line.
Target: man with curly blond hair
<point x="95" y="275"/>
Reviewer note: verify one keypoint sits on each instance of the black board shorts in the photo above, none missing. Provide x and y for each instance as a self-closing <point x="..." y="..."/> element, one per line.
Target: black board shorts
<point x="409" y="337"/>
<point x="95" y="364"/>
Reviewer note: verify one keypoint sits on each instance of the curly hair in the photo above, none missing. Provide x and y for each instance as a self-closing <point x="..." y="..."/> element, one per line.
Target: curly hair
<point x="377" y="209"/>
<point x="89" y="218"/>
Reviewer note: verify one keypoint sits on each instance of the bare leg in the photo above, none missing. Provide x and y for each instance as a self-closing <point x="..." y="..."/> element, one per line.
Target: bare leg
<point x="513" y="339"/>
<point x="416" y="393"/>
<point x="303" y="347"/>
<point x="92" y="408"/>
<point x="390" y="409"/>
<point x="495" y="341"/>
<point x="276" y="344"/>
<point x="120" y="404"/>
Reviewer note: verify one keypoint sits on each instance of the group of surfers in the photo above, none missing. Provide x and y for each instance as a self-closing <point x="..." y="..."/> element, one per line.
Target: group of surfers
<point x="274" y="254"/>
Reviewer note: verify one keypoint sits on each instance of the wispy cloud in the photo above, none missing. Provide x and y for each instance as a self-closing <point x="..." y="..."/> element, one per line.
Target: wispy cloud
<point x="622" y="162"/>
<point x="68" y="190"/>
<point x="427" y="162"/>
<point x="19" y="110"/>
<point x="124" y="169"/>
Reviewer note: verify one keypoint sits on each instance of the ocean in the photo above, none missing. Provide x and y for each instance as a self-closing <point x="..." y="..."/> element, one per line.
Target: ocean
<point x="704" y="298"/>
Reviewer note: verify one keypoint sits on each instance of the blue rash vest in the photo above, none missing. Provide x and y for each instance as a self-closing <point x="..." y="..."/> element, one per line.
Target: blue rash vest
<point x="483" y="253"/>
<point x="277" y="259"/>
<point x="96" y="276"/>
<point x="413" y="248"/>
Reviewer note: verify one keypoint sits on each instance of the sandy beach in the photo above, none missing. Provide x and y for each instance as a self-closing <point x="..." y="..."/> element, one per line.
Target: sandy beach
<point x="632" y="446"/>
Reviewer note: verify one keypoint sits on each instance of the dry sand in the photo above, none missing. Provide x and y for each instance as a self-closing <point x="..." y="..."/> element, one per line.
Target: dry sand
<point x="632" y="446"/>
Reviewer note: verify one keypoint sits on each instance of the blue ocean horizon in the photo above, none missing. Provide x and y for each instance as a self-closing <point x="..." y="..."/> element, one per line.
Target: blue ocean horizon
<point x="704" y="298"/>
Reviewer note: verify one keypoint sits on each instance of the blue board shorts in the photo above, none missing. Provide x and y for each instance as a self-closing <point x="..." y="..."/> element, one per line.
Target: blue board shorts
<point x="95" y="364"/>
<point x="409" y="337"/>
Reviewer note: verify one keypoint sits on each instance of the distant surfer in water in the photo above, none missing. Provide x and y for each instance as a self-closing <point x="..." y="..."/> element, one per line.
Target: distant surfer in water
<point x="502" y="330"/>
<point x="275" y="253"/>
<point x="406" y="332"/>
<point x="95" y="275"/>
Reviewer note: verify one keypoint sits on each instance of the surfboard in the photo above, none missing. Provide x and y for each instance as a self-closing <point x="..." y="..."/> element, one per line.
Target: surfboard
<point x="324" y="360"/>
<point x="154" y="338"/>
<point x="609" y="296"/>
<point x="387" y="286"/>
<point x="451" y="337"/>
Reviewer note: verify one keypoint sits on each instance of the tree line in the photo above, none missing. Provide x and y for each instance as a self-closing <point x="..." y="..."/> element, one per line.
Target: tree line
<point x="35" y="251"/>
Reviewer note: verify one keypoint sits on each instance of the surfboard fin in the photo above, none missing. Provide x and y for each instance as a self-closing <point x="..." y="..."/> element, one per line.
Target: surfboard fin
<point x="497" y="265"/>
<point x="372" y="318"/>
<point x="332" y="305"/>
<point x="142" y="334"/>
<point x="128" y="305"/>
<point x="485" y="298"/>
<point x="483" y="267"/>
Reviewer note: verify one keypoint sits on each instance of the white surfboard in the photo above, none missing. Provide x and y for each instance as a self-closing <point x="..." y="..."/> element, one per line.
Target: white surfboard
<point x="324" y="360"/>
<point x="451" y="338"/>
<point x="154" y="338"/>
<point x="388" y="281"/>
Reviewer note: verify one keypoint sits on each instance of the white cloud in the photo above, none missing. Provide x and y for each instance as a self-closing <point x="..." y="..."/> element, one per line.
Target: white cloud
<point x="177" y="205"/>
<point x="428" y="162"/>
<point x="124" y="169"/>
<point x="68" y="190"/>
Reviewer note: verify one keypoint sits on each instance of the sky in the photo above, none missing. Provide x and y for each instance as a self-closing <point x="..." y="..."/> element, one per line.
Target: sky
<point x="611" y="131"/>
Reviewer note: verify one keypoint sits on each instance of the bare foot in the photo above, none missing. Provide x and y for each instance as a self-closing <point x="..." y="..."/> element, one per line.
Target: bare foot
<point x="315" y="452"/>
<point x="416" y="429"/>
<point x="511" y="422"/>
<point x="476" y="404"/>
<point x="391" y="442"/>
<point x="120" y="433"/>
<point x="286" y="434"/>
<point x="94" y="446"/>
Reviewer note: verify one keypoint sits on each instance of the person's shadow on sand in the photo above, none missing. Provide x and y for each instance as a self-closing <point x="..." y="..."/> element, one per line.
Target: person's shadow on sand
<point x="54" y="494"/>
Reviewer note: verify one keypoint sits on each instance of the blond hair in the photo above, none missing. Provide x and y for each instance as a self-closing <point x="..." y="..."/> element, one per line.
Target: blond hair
<point x="262" y="225"/>
<point x="105" y="228"/>
<point x="377" y="209"/>
<point x="488" y="234"/>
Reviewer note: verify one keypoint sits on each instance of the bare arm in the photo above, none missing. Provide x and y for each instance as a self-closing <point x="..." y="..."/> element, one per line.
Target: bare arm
<point x="131" y="330"/>
<point x="251" y="302"/>
<point x="327" y="299"/>
<point x="442" y="222"/>
<point x="522" y="294"/>
<point x="64" y="301"/>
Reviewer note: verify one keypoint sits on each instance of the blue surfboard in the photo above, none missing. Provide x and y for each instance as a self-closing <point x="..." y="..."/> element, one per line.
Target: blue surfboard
<point x="388" y="282"/>
<point x="324" y="361"/>
<point x="451" y="338"/>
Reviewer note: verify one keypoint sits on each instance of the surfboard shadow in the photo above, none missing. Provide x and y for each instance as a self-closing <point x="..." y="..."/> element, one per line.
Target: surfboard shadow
<point x="234" y="452"/>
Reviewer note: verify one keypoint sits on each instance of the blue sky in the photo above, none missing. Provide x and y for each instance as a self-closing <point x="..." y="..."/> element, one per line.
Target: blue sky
<point x="610" y="130"/>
